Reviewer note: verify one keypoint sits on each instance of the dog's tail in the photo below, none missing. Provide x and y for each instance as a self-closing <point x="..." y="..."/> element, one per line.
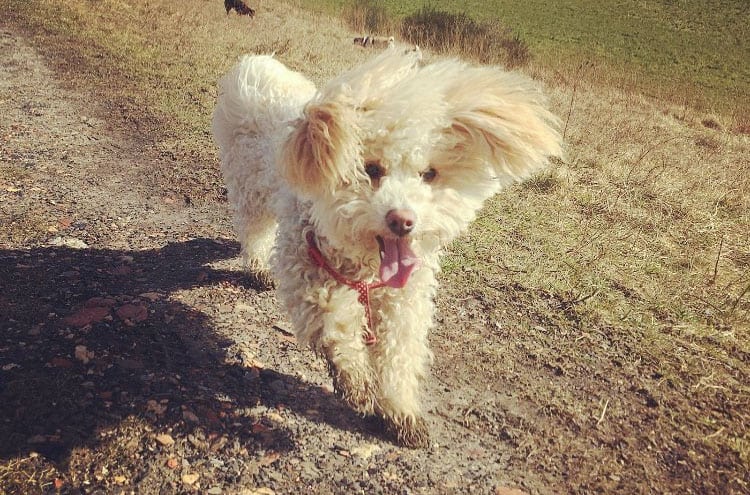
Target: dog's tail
<point x="257" y="99"/>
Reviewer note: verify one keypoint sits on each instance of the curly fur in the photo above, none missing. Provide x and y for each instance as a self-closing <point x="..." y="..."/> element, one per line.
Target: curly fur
<point x="295" y="159"/>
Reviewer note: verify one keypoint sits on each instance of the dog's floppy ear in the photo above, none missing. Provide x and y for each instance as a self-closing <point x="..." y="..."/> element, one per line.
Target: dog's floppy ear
<point x="320" y="154"/>
<point x="501" y="119"/>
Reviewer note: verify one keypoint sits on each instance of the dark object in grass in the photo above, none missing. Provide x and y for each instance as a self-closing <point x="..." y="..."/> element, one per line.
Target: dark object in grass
<point x="239" y="6"/>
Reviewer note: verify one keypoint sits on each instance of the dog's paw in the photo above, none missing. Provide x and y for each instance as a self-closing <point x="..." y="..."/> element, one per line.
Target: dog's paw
<point x="357" y="394"/>
<point x="409" y="431"/>
<point x="258" y="272"/>
<point x="354" y="387"/>
<point x="261" y="279"/>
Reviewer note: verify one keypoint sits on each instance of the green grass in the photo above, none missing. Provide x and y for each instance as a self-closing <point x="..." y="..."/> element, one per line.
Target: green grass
<point x="684" y="51"/>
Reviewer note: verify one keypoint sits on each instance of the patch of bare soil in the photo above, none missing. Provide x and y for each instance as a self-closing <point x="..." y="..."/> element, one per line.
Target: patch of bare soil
<point x="137" y="357"/>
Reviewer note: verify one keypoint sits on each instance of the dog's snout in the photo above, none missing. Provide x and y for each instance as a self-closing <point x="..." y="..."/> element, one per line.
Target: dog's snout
<point x="400" y="221"/>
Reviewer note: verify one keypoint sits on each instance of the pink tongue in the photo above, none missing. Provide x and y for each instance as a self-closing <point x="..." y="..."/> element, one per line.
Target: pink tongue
<point x="397" y="261"/>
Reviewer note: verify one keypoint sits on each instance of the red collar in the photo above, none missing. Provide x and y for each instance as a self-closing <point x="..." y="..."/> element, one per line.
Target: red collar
<point x="362" y="288"/>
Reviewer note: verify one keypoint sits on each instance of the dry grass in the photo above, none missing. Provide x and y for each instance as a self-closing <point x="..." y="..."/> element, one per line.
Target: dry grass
<point x="161" y="60"/>
<point x="485" y="42"/>
<point x="630" y="261"/>
<point x="644" y="202"/>
<point x="625" y="267"/>
<point x="443" y="32"/>
<point x="28" y="474"/>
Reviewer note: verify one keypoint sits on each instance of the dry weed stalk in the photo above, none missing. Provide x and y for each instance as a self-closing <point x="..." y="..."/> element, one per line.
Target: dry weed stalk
<point x="576" y="80"/>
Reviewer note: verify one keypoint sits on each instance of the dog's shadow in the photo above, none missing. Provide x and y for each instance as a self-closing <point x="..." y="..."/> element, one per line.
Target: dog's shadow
<point x="90" y="338"/>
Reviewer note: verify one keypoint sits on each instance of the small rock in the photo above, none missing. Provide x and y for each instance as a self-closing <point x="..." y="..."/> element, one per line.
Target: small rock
<point x="275" y="417"/>
<point x="68" y="242"/>
<point x="216" y="490"/>
<point x="132" y="312"/>
<point x="365" y="451"/>
<point x="165" y="439"/>
<point x="151" y="296"/>
<point x="190" y="478"/>
<point x="86" y="316"/>
<point x="83" y="354"/>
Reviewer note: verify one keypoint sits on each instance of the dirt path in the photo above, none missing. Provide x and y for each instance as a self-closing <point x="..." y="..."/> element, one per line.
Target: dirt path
<point x="136" y="354"/>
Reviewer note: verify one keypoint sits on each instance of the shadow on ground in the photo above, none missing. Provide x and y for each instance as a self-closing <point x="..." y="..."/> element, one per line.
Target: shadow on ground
<point x="90" y="338"/>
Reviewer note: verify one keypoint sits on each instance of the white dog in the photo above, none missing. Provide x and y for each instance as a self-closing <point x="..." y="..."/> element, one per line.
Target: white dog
<point x="349" y="193"/>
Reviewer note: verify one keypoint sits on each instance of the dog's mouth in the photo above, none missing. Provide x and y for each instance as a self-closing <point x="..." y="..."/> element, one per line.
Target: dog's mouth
<point x="397" y="261"/>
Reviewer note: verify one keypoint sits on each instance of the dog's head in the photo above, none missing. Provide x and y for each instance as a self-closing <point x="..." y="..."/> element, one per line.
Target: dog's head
<point x="397" y="158"/>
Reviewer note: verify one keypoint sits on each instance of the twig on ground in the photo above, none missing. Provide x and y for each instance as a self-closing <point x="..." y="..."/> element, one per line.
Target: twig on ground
<point x="604" y="411"/>
<point x="716" y="265"/>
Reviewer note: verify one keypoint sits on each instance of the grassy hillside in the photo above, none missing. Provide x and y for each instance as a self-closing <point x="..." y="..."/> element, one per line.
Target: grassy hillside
<point x="680" y="50"/>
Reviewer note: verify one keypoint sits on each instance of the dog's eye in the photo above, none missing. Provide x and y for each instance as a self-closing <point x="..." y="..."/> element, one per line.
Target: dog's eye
<point x="374" y="170"/>
<point x="429" y="175"/>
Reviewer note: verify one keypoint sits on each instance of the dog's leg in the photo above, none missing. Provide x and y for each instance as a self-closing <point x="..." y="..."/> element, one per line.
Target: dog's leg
<point x="344" y="348"/>
<point x="402" y="359"/>
<point x="256" y="234"/>
<point x="255" y="224"/>
<point x="329" y="319"/>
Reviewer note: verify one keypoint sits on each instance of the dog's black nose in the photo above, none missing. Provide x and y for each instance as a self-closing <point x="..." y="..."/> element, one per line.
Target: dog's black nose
<point x="401" y="221"/>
